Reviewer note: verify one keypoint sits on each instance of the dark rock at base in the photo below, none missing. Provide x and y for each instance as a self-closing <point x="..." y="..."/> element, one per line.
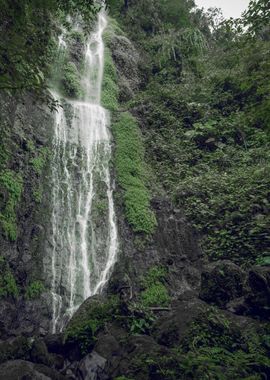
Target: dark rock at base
<point x="55" y="343"/>
<point x="24" y="370"/>
<point x="238" y="306"/>
<point x="8" y="313"/>
<point x="92" y="367"/>
<point x="172" y="328"/>
<point x="134" y="350"/>
<point x="222" y="282"/>
<point x="15" y="348"/>
<point x="258" y="299"/>
<point x="39" y="353"/>
<point x="108" y="346"/>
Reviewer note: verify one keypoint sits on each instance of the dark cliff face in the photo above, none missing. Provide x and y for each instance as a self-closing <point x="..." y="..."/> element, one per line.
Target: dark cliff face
<point x="26" y="143"/>
<point x="174" y="246"/>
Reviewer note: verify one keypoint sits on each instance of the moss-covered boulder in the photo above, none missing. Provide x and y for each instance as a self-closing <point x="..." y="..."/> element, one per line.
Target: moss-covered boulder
<point x="21" y="369"/>
<point x="91" y="318"/>
<point x="222" y="282"/>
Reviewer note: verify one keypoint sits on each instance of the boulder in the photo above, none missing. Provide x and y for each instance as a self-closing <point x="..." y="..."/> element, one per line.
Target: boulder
<point x="170" y="329"/>
<point x="258" y="298"/>
<point x="222" y="282"/>
<point x="15" y="348"/>
<point x="24" y="370"/>
<point x="91" y="367"/>
<point x="39" y="353"/>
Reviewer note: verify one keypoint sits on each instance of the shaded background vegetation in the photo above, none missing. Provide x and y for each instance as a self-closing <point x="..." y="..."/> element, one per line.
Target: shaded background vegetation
<point x="204" y="111"/>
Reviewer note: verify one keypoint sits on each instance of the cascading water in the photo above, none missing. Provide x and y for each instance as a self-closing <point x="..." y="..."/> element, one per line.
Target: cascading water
<point x="84" y="233"/>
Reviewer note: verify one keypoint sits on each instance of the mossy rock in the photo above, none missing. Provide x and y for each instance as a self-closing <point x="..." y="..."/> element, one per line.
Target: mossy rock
<point x="91" y="317"/>
<point x="71" y="85"/>
<point x="222" y="282"/>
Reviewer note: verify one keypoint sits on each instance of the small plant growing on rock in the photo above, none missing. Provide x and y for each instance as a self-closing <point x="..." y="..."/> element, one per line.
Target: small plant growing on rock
<point x="155" y="292"/>
<point x="84" y="326"/>
<point x="34" y="290"/>
<point x="71" y="81"/>
<point x="12" y="184"/>
<point x="8" y="285"/>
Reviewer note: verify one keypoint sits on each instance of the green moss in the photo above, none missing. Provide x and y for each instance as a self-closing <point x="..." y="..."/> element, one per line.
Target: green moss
<point x="34" y="290"/>
<point x="207" y="363"/>
<point x="129" y="154"/>
<point x="30" y="145"/>
<point x="207" y="354"/>
<point x="109" y="96"/>
<point x="37" y="195"/>
<point x="129" y="163"/>
<point x="40" y="161"/>
<point x="101" y="207"/>
<point x="84" y="326"/>
<point x="11" y="183"/>
<point x="155" y="293"/>
<point x="75" y="36"/>
<point x="8" y="285"/>
<point x="71" y="85"/>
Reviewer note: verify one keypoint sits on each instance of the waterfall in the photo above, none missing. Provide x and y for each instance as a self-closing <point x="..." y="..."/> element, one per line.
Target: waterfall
<point x="84" y="233"/>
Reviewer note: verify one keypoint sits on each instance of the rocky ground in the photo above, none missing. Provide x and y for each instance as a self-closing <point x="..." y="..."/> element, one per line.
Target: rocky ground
<point x="100" y="343"/>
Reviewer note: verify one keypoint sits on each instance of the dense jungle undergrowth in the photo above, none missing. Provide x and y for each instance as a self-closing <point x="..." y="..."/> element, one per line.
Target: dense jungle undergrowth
<point x="204" y="112"/>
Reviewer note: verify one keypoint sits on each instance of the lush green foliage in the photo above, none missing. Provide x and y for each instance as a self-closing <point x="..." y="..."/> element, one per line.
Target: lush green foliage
<point x="214" y="348"/>
<point x="11" y="185"/>
<point x="129" y="153"/>
<point x="71" y="81"/>
<point x="40" y="160"/>
<point x="129" y="164"/>
<point x="83" y="328"/>
<point x="34" y="289"/>
<point x="8" y="286"/>
<point x="155" y="292"/>
<point x="205" y="112"/>
<point x="28" y="47"/>
<point x="109" y="97"/>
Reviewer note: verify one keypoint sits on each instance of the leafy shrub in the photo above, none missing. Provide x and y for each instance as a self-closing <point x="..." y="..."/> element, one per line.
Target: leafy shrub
<point x="34" y="290"/>
<point x="12" y="184"/>
<point x="129" y="156"/>
<point x="231" y="210"/>
<point x="155" y="295"/>
<point x="84" y="326"/>
<point x="71" y="81"/>
<point x="109" y="96"/>
<point x="155" y="292"/>
<point x="37" y="195"/>
<point x="8" y="285"/>
<point x="40" y="160"/>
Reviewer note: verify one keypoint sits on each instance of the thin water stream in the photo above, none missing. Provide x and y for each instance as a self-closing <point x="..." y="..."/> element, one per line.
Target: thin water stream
<point x="84" y="232"/>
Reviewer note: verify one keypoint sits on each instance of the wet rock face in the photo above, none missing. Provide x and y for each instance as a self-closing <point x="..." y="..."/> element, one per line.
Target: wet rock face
<point x="170" y="329"/>
<point x="126" y="59"/>
<point x="174" y="246"/>
<point x="27" y="132"/>
<point x="177" y="248"/>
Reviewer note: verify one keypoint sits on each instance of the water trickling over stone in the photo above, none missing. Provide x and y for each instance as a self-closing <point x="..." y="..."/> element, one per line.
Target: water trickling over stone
<point x="84" y="233"/>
